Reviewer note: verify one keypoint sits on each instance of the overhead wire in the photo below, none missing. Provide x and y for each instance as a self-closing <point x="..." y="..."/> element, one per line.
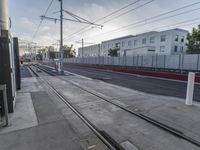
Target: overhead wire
<point x="129" y="11"/>
<point x="108" y="15"/>
<point x="145" y="21"/>
<point x="113" y="18"/>
<point x="185" y="22"/>
<point x="40" y="23"/>
<point x="182" y="23"/>
<point x="142" y="21"/>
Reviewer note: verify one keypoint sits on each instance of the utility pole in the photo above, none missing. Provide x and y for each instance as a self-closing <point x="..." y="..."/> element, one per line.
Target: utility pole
<point x="76" y="19"/>
<point x="82" y="47"/>
<point x="61" y="37"/>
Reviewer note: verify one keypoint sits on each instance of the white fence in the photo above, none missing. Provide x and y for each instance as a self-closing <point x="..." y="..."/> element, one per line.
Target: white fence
<point x="182" y="62"/>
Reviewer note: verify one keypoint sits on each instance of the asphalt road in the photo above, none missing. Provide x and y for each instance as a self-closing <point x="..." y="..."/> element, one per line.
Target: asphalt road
<point x="140" y="83"/>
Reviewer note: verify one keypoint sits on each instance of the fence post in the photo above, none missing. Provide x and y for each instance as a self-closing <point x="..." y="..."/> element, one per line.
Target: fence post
<point x="142" y="61"/>
<point x="182" y="62"/>
<point x="198" y="62"/>
<point x="164" y="62"/>
<point x="152" y="62"/>
<point x="190" y="88"/>
<point x="124" y="60"/>
<point x="112" y="60"/>
<point x="156" y="61"/>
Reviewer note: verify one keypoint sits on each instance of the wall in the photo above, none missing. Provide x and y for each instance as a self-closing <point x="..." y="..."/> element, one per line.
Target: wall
<point x="90" y="51"/>
<point x="182" y="61"/>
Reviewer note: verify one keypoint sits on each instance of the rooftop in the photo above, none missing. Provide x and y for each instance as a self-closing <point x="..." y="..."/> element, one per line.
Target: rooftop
<point x="123" y="37"/>
<point x="150" y="32"/>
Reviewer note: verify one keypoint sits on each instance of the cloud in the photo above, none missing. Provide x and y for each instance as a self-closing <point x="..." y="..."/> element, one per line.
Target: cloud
<point x="27" y="24"/>
<point x="45" y="28"/>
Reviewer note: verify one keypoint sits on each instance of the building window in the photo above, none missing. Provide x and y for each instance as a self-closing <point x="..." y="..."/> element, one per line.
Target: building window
<point x="162" y="48"/>
<point x="123" y="43"/>
<point x="108" y="45"/>
<point x="151" y="50"/>
<point x="162" y="38"/>
<point x="135" y="42"/>
<point x="176" y="39"/>
<point x="144" y="40"/>
<point x="152" y="39"/>
<point x="117" y="45"/>
<point x="175" y="48"/>
<point x="182" y="39"/>
<point x="129" y="43"/>
<point x="181" y="49"/>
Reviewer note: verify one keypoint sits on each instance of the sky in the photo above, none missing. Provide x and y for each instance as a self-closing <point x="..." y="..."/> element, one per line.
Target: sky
<point x="25" y="16"/>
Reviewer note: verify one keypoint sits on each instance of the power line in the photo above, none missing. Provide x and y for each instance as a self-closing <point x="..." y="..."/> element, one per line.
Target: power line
<point x="150" y="18"/>
<point x="118" y="10"/>
<point x="144" y="21"/>
<point x="129" y="11"/>
<point x="178" y="23"/>
<point x="110" y="14"/>
<point x="39" y="25"/>
<point x="115" y="17"/>
<point x="154" y="17"/>
<point x="182" y="23"/>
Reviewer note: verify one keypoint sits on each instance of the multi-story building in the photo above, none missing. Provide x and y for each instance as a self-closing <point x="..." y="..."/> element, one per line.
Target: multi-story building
<point x="89" y="51"/>
<point x="117" y="44"/>
<point x="165" y="42"/>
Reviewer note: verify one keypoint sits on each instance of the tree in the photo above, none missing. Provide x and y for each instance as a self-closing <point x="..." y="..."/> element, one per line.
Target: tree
<point x="113" y="52"/>
<point x="69" y="52"/>
<point x="51" y="51"/>
<point x="39" y="55"/>
<point x="52" y="54"/>
<point x="194" y="41"/>
<point x="50" y="48"/>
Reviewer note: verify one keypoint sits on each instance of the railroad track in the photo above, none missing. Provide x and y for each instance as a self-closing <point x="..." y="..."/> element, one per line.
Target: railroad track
<point x="102" y="135"/>
<point x="150" y="120"/>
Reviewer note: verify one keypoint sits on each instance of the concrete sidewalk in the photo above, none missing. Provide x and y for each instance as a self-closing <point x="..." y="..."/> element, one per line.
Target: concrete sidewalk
<point x="168" y="110"/>
<point x="42" y="122"/>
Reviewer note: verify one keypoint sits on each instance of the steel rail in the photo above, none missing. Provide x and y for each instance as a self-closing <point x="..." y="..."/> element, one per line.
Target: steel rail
<point x="105" y="139"/>
<point x="144" y="117"/>
<point x="161" y="125"/>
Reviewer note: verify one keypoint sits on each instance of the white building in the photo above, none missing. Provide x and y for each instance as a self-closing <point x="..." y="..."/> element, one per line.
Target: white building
<point x="118" y="43"/>
<point x="165" y="42"/>
<point x="90" y="51"/>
